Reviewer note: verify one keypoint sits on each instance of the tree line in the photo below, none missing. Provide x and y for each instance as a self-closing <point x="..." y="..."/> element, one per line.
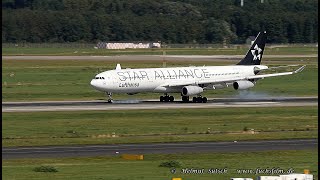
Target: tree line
<point x="169" y="21"/>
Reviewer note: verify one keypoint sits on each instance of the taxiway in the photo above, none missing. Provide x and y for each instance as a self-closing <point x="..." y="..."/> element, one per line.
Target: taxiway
<point x="150" y="57"/>
<point x="156" y="148"/>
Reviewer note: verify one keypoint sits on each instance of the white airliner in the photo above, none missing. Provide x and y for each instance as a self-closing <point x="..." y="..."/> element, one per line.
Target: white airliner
<point x="189" y="81"/>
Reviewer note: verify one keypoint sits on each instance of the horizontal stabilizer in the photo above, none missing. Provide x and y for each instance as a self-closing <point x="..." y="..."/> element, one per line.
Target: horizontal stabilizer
<point x="300" y="69"/>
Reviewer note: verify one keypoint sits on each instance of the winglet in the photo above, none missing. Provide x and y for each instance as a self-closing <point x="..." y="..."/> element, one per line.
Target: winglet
<point x="118" y="67"/>
<point x="300" y="69"/>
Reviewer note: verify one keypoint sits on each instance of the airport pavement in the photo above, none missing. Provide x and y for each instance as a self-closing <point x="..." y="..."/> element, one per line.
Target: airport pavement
<point x="154" y="104"/>
<point x="151" y="57"/>
<point x="156" y="148"/>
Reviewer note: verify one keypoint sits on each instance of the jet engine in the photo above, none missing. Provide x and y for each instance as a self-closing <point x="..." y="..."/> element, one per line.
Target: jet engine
<point x="242" y="85"/>
<point x="191" y="90"/>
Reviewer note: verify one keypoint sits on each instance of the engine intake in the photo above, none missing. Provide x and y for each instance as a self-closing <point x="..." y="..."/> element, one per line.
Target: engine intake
<point x="191" y="90"/>
<point x="242" y="85"/>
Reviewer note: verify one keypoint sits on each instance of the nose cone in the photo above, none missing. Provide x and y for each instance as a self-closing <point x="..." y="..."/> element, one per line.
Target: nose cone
<point x="95" y="84"/>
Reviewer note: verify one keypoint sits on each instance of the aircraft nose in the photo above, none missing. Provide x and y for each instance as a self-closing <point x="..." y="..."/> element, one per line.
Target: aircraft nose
<point x="94" y="83"/>
<point x="97" y="84"/>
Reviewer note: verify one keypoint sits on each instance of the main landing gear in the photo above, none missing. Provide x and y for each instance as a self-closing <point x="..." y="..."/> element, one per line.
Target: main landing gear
<point x="166" y="98"/>
<point x="198" y="99"/>
<point x="185" y="99"/>
<point x="109" y="94"/>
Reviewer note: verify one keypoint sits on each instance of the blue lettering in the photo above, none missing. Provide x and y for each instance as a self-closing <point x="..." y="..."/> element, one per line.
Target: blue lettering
<point x="164" y="77"/>
<point x="143" y="74"/>
<point x="205" y="73"/>
<point x="197" y="75"/>
<point x="170" y="76"/>
<point x="189" y="73"/>
<point x="121" y="76"/>
<point x="156" y="75"/>
<point x="181" y="74"/>
<point x="135" y="75"/>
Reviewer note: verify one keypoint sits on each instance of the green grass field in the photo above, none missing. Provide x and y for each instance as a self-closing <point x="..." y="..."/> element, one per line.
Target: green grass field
<point x="69" y="80"/>
<point x="169" y="51"/>
<point x="115" y="168"/>
<point x="130" y="126"/>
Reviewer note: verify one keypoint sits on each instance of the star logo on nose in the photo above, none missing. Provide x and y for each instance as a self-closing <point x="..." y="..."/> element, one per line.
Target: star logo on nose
<point x="256" y="52"/>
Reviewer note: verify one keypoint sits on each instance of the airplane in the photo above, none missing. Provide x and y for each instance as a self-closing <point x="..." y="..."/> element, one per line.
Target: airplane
<point x="188" y="81"/>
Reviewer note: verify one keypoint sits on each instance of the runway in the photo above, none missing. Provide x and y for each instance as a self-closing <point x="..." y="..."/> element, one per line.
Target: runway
<point x="155" y="104"/>
<point x="150" y="57"/>
<point x="163" y="148"/>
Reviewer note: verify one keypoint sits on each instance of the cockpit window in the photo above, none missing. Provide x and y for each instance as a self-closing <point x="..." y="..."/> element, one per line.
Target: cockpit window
<point x="99" y="78"/>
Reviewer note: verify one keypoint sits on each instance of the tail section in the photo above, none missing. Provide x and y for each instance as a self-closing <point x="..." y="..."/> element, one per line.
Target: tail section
<point x="254" y="55"/>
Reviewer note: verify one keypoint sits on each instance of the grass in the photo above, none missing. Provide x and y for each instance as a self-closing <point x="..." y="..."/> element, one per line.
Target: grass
<point x="129" y="126"/>
<point x="69" y="79"/>
<point x="115" y="168"/>
<point x="169" y="51"/>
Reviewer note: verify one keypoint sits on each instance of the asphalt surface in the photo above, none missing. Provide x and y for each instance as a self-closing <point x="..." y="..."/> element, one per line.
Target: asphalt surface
<point x="96" y="150"/>
<point x="157" y="148"/>
<point x="150" y="57"/>
<point x="155" y="104"/>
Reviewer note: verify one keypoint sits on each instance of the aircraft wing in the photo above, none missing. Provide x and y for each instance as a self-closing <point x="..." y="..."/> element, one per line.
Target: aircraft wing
<point x="276" y="74"/>
<point x="229" y="80"/>
<point x="276" y="67"/>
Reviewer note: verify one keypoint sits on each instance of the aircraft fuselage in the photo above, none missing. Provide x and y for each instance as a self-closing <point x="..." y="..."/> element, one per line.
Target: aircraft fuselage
<point x="155" y="79"/>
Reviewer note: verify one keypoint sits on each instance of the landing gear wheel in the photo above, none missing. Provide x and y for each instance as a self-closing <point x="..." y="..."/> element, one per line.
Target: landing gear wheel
<point x="109" y="97"/>
<point x="166" y="98"/>
<point x="161" y="99"/>
<point x="194" y="99"/>
<point x="171" y="98"/>
<point x="204" y="100"/>
<point x="185" y="98"/>
<point x="199" y="99"/>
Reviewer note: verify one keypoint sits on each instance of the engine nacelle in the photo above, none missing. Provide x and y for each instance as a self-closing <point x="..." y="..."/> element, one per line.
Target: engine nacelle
<point x="191" y="90"/>
<point x="242" y="85"/>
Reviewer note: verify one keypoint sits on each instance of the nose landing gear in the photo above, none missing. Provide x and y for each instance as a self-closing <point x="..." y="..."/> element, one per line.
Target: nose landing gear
<point x="109" y="94"/>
